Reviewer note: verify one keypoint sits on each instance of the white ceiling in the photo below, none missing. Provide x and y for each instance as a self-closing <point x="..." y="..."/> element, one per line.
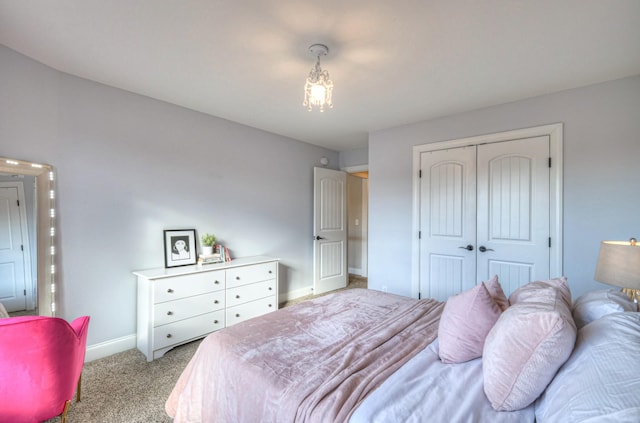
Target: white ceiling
<point x="392" y="62"/>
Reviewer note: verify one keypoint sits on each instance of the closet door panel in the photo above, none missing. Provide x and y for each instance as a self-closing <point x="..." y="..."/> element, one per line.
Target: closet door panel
<point x="513" y="211"/>
<point x="448" y="220"/>
<point x="511" y="275"/>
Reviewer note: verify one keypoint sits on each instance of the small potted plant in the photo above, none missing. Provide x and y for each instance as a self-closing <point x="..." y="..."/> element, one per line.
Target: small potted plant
<point x="208" y="240"/>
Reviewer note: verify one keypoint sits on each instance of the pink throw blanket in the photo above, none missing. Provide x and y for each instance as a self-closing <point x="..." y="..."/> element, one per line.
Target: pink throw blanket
<point x="315" y="361"/>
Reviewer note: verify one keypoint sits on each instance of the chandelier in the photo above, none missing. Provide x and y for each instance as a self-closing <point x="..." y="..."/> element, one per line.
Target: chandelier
<point x="318" y="88"/>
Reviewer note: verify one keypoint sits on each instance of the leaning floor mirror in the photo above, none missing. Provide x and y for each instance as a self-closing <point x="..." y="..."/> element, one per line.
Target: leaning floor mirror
<point x="27" y="237"/>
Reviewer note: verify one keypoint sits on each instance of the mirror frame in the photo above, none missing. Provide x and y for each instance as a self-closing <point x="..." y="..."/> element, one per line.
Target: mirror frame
<point x="46" y="250"/>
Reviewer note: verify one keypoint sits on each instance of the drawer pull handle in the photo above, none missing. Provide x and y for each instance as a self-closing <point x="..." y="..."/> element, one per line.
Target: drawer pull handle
<point x="270" y="305"/>
<point x="238" y="296"/>
<point x="237" y="278"/>
<point x="270" y="288"/>
<point x="216" y="282"/>
<point x="270" y="272"/>
<point x="215" y="301"/>
<point x="237" y="315"/>
<point x="169" y="313"/>
<point x="215" y="322"/>
<point x="170" y="291"/>
<point x="168" y="335"/>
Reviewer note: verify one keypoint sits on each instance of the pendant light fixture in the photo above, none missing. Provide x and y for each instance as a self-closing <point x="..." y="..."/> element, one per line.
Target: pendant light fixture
<point x="318" y="88"/>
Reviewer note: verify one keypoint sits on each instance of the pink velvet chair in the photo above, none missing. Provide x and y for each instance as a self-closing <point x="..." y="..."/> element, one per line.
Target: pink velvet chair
<point x="41" y="361"/>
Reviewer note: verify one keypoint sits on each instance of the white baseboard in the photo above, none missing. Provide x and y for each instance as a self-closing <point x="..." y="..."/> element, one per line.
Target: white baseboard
<point x="292" y="295"/>
<point x="355" y="271"/>
<point x="107" y="348"/>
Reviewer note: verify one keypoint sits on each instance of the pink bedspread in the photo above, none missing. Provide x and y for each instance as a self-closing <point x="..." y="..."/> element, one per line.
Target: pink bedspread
<point x="315" y="361"/>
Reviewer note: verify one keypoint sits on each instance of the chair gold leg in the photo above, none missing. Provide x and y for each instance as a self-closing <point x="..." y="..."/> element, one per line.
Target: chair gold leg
<point x="79" y="388"/>
<point x="63" y="416"/>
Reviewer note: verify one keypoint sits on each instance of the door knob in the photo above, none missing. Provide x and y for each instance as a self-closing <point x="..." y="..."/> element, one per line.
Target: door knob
<point x="318" y="238"/>
<point x="482" y="249"/>
<point x="468" y="247"/>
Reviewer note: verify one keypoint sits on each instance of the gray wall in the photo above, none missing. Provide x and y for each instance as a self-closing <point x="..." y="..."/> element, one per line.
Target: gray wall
<point x="129" y="167"/>
<point x="601" y="191"/>
<point x="356" y="157"/>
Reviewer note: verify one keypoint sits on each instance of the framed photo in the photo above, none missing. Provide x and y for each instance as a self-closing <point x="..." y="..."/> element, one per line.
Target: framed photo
<point x="179" y="247"/>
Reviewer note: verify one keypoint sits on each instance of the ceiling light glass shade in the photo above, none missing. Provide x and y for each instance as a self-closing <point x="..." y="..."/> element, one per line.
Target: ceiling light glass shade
<point x="318" y="89"/>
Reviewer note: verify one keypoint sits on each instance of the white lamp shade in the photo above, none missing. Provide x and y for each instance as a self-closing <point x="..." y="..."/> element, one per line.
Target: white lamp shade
<point x="619" y="264"/>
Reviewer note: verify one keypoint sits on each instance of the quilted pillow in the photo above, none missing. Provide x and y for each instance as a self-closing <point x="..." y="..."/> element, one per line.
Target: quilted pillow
<point x="466" y="320"/>
<point x="528" y="344"/>
<point x="594" y="305"/>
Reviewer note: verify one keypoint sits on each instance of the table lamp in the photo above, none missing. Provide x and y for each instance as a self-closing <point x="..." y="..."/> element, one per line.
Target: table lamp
<point x="619" y="265"/>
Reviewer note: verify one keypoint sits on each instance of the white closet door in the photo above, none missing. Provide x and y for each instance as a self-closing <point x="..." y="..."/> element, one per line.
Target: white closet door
<point x="513" y="211"/>
<point x="484" y="211"/>
<point x="448" y="222"/>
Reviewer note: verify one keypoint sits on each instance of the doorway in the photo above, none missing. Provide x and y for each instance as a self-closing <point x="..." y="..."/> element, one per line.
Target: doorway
<point x="341" y="201"/>
<point x="357" y="218"/>
<point x="487" y="205"/>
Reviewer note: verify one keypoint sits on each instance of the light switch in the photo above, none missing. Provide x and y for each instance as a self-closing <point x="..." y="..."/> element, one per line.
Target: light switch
<point x="357" y="222"/>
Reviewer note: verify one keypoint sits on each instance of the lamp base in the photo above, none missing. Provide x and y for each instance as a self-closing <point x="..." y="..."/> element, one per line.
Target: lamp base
<point x="634" y="294"/>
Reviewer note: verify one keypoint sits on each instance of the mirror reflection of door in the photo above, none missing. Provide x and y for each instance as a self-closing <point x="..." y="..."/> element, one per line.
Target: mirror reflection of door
<point x="17" y="248"/>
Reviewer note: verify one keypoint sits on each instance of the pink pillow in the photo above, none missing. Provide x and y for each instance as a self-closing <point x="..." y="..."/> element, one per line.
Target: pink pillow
<point x="494" y="288"/>
<point x="528" y="344"/>
<point x="533" y="291"/>
<point x="466" y="320"/>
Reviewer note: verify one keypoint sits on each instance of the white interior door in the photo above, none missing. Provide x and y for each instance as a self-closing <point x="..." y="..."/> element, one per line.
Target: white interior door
<point x="484" y="211"/>
<point x="12" y="264"/>
<point x="513" y="211"/>
<point x="448" y="221"/>
<point x="330" y="230"/>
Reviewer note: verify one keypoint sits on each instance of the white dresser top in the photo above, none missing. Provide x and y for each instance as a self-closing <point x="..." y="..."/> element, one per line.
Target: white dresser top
<point x="162" y="272"/>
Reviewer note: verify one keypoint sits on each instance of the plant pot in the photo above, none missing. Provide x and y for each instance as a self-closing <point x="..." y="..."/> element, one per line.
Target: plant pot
<point x="207" y="250"/>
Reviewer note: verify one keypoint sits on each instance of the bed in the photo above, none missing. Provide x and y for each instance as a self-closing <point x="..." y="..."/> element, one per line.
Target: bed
<point x="366" y="356"/>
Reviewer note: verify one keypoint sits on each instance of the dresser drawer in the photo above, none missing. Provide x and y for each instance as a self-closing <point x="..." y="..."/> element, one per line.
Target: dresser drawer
<point x="172" y="311"/>
<point x="183" y="330"/>
<point x="250" y="292"/>
<point x="249" y="274"/>
<point x="169" y="289"/>
<point x="252" y="309"/>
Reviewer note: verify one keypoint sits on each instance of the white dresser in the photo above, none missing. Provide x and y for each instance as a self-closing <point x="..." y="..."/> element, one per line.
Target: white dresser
<point x="181" y="304"/>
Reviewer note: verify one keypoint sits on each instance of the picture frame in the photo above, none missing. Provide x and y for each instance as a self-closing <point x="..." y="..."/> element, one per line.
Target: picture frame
<point x="180" y="247"/>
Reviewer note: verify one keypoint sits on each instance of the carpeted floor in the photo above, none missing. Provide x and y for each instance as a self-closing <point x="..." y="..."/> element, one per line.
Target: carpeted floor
<point x="124" y="388"/>
<point x="354" y="282"/>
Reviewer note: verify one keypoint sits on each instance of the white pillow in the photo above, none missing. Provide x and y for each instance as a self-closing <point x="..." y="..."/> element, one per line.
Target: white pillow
<point x="599" y="381"/>
<point x="594" y="305"/>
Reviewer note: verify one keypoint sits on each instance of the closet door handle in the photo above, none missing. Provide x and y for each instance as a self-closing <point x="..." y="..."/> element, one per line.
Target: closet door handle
<point x="468" y="247"/>
<point x="482" y="249"/>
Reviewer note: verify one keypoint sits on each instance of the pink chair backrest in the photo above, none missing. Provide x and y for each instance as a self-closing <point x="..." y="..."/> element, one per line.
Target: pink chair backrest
<point x="41" y="359"/>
